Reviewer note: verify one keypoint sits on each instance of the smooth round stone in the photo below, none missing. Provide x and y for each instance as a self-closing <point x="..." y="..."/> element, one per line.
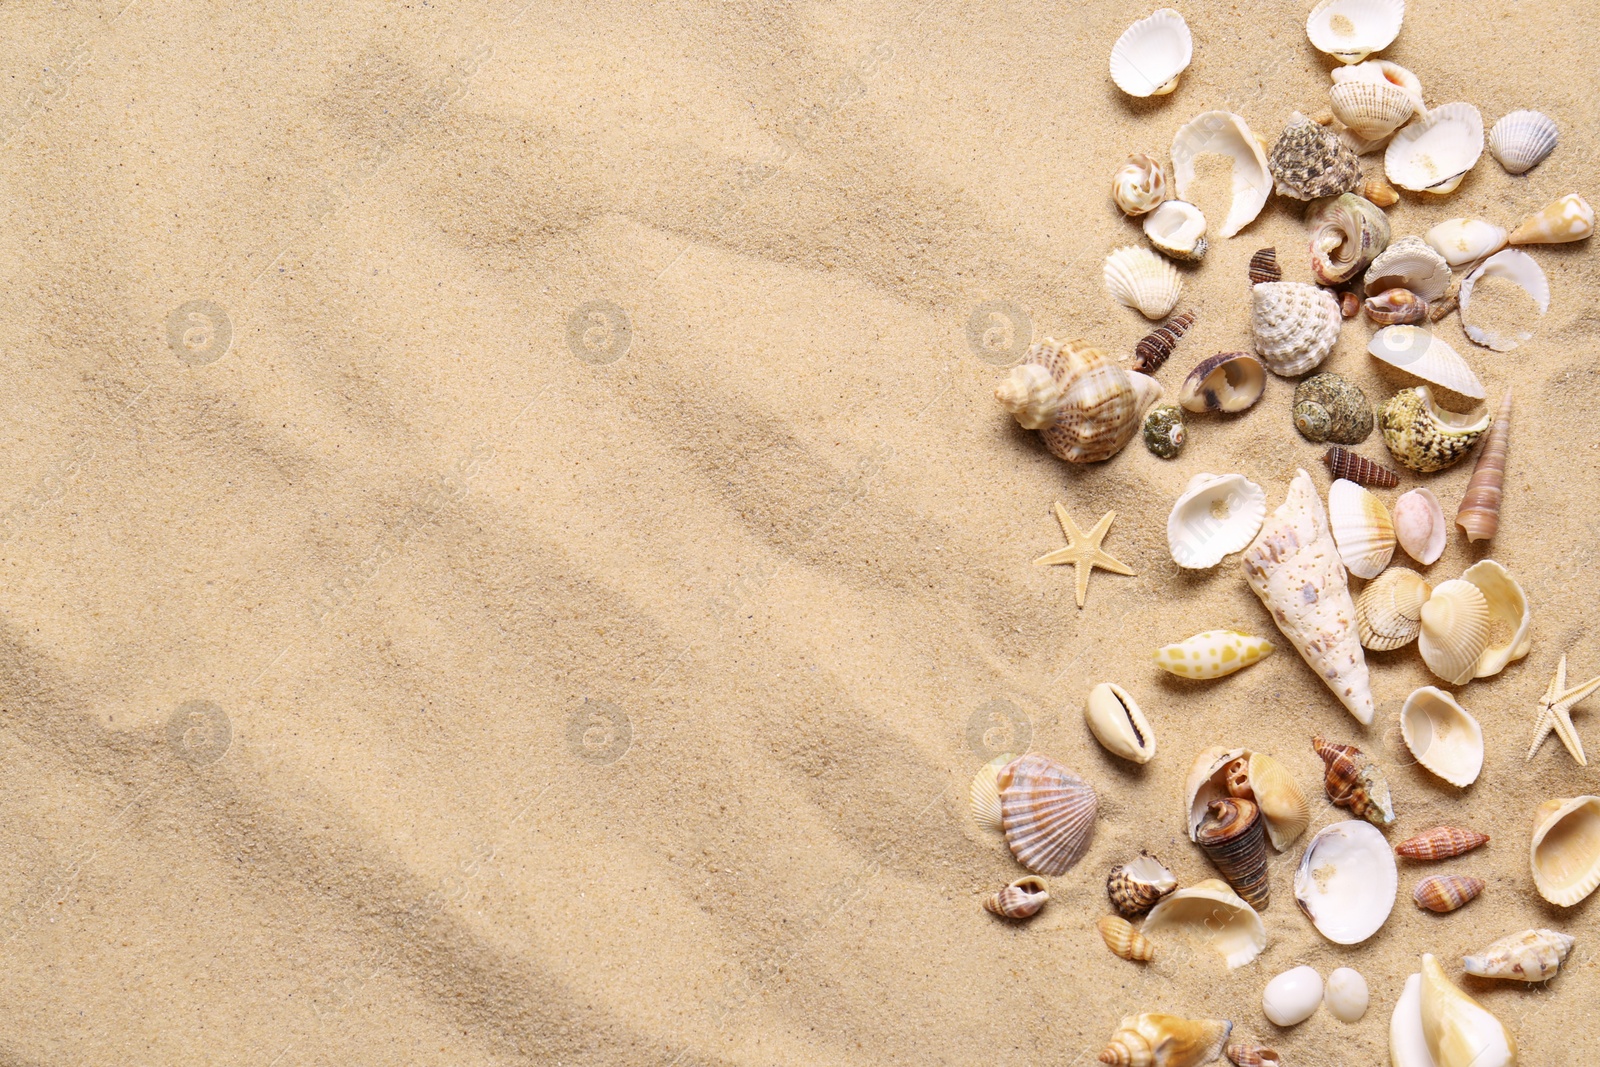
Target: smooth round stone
<point x="1346" y="995"/>
<point x="1293" y="996"/>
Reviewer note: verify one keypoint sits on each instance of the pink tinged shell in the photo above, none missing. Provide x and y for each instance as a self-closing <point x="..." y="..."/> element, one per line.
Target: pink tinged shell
<point x="1440" y="843"/>
<point x="1419" y="525"/>
<point x="1446" y="892"/>
<point x="1479" y="514"/>
<point x="1047" y="813"/>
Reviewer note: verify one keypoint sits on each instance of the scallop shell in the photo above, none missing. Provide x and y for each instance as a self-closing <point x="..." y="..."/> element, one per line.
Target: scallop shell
<point x="1295" y="325"/>
<point x="1343" y="463"/>
<point x="1457" y="1030"/>
<point x="1372" y="109"/>
<point x="1444" y="737"/>
<point x="1424" y="436"/>
<point x="1140" y="279"/>
<point x="1346" y="233"/>
<point x="1253" y="1055"/>
<point x="1565" y="853"/>
<point x="1443" y="893"/>
<point x="1310" y="161"/>
<point x="1224" y="133"/>
<point x="1156" y="1040"/>
<point x="1139" y="185"/>
<point x="1433" y="154"/>
<point x="1233" y="834"/>
<point x="1531" y="956"/>
<point x="1455" y="630"/>
<point x="1351" y="30"/>
<point x="1521" y="270"/>
<point x="1177" y="229"/>
<point x="1329" y="408"/>
<point x="1228" y="381"/>
<point x="1396" y="307"/>
<point x="1409" y="263"/>
<point x="1136" y="886"/>
<point x="1419" y="525"/>
<point x="1463" y="241"/>
<point x="1479" y="513"/>
<point x="1221" y="772"/>
<point x="1347" y="882"/>
<point x="1522" y="140"/>
<point x="1154" y="347"/>
<point x="1084" y="406"/>
<point x="984" y="793"/>
<point x="1123" y="940"/>
<point x="1021" y="899"/>
<point x="1361" y="528"/>
<point x="1165" y="431"/>
<point x="1047" y="813"/>
<point x="1510" y="619"/>
<point x="1568" y="219"/>
<point x="1383" y="71"/>
<point x="1214" y="516"/>
<point x="1423" y="355"/>
<point x="1211" y="914"/>
<point x="1150" y="54"/>
<point x="1118" y="724"/>
<point x="1353" y="781"/>
<point x="1389" y="609"/>
<point x="1212" y="654"/>
<point x="1264" y="266"/>
<point x="1440" y="843"/>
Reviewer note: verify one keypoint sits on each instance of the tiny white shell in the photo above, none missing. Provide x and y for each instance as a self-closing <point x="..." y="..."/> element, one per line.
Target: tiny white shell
<point x="1419" y="525"/>
<point x="1226" y="134"/>
<point x="1351" y="30"/>
<point x="1292" y="997"/>
<point x="1214" y="516"/>
<point x="1520" y="269"/>
<point x="1522" y="140"/>
<point x="1463" y="241"/>
<point x="1433" y="154"/>
<point x="1139" y="278"/>
<point x="1444" y="737"/>
<point x="1150" y="54"/>
<point x="1177" y="229"/>
<point x="1346" y="995"/>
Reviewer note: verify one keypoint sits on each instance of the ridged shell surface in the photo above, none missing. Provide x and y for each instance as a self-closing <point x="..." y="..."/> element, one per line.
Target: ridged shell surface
<point x="1019" y="900"/>
<point x="1389" y="609"/>
<point x="1440" y="843"/>
<point x="1353" y="781"/>
<point x="1423" y="355"/>
<point x="1446" y="892"/>
<point x="1295" y="325"/>
<point x="1409" y="263"/>
<point x="1150" y="54"/>
<point x="1343" y="463"/>
<point x="1479" y="512"/>
<point x="1142" y="280"/>
<point x="1234" y="836"/>
<point x="1047" y="813"/>
<point x="1361" y="528"/>
<point x="1455" y="630"/>
<point x="1123" y="940"/>
<point x="1382" y="70"/>
<point x="1510" y="618"/>
<point x="1085" y="407"/>
<point x="1522" y="140"/>
<point x="1135" y="887"/>
<point x="1373" y="109"/>
<point x="1351" y="30"/>
<point x="1157" y="1040"/>
<point x="1310" y="161"/>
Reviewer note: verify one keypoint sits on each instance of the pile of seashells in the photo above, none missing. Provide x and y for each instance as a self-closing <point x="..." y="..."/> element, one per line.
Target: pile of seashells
<point x="1299" y="559"/>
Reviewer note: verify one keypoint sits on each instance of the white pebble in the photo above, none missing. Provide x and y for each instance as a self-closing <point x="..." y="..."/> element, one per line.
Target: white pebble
<point x="1293" y="996"/>
<point x="1347" y="995"/>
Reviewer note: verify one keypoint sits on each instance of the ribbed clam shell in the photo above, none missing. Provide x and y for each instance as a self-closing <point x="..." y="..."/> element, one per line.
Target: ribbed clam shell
<point x="1264" y="266"/>
<point x="1343" y="463"/>
<point x="1409" y="263"/>
<point x="1455" y="630"/>
<point x="1351" y="30"/>
<point x="1389" y="609"/>
<point x="1248" y="1054"/>
<point x="1211" y="653"/>
<point x="1329" y="408"/>
<point x="1433" y="154"/>
<point x="1284" y="808"/>
<point x="1361" y="528"/>
<point x="1347" y="882"/>
<point x="1568" y="219"/>
<point x="1234" y="836"/>
<point x="1229" y="382"/>
<point x="1177" y="229"/>
<point x="1156" y="1040"/>
<point x="1154" y="347"/>
<point x="1346" y="233"/>
<point x="1522" y="140"/>
<point x="1165" y="431"/>
<point x="1310" y="161"/>
<point x="1123" y="940"/>
<point x="1440" y="843"/>
<point x="1396" y="307"/>
<point x="1085" y="407"/>
<point x="1135" y="887"/>
<point x="1521" y="270"/>
<point x="1211" y="914"/>
<point x="1463" y="241"/>
<point x="1382" y="70"/>
<point x="1479" y="513"/>
<point x="1443" y="735"/>
<point x="1424" y="436"/>
<point x="984" y="793"/>
<point x="1423" y="355"/>
<point x="1224" y="133"/>
<point x="1139" y="185"/>
<point x="1565" y="853"/>
<point x="1150" y="54"/>
<point x="1295" y="325"/>
<point x="1510" y="619"/>
<point x="1353" y="781"/>
<point x="1021" y="899"/>
<point x="1047" y="813"/>
<point x="1373" y="109"/>
<point x="1446" y="892"/>
<point x="1531" y="956"/>
<point x="1140" y="279"/>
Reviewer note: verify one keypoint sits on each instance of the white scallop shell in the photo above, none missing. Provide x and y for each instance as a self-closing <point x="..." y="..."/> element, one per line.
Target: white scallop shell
<point x="1566" y="862"/>
<point x="1351" y="30"/>
<point x="1444" y="737"/>
<point x="1150" y="54"/>
<point x="1419" y="525"/>
<point x="1347" y="881"/>
<point x="1509" y="614"/>
<point x="1212" y="914"/>
<point x="1295" y="325"/>
<point x="1224" y="133"/>
<point x="1455" y="630"/>
<point x="1421" y="354"/>
<point x="1372" y="109"/>
<point x="1522" y="140"/>
<point x="1381" y="70"/>
<point x="1047" y="813"/>
<point x="1177" y="229"/>
<point x="1516" y="267"/>
<point x="984" y="793"/>
<point x="1141" y="279"/>
<point x="1214" y="516"/>
<point x="1462" y="241"/>
<point x="1433" y="154"/>
<point x="1409" y="263"/>
<point x="1361" y="528"/>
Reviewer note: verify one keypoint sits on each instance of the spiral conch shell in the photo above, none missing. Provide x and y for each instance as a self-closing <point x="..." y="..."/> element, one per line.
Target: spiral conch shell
<point x="1347" y="232"/>
<point x="1531" y="956"/>
<point x="1021" y="899"/>
<point x="1123" y="940"/>
<point x="1255" y="776"/>
<point x="1329" y="408"/>
<point x="1138" y="885"/>
<point x="1353" y="781"/>
<point x="1233" y="834"/>
<point x="1293" y="566"/>
<point x="1154" y="1039"/>
<point x="1140" y="185"/>
<point x="1295" y="325"/>
<point x="1083" y="405"/>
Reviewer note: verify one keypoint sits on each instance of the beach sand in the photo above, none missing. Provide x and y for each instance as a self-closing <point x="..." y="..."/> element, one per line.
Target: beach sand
<point x="510" y="554"/>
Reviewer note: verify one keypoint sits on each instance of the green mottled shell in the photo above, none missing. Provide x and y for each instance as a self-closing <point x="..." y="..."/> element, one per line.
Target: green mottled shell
<point x="1420" y="440"/>
<point x="1328" y="408"/>
<point x="1164" y="431"/>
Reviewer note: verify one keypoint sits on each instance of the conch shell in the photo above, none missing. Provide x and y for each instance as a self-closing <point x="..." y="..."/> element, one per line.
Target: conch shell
<point x="1019" y="900"/>
<point x="1353" y="781"/>
<point x="1157" y="1040"/>
<point x="1083" y="405"/>
<point x="1347" y="232"/>
<point x="1255" y="776"/>
<point x="1293" y="566"/>
<point x="1136" y="886"/>
<point x="1140" y="185"/>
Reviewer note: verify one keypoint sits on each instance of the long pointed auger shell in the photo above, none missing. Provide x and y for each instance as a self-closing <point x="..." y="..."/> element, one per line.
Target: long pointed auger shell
<point x="1158" y="1040"/>
<point x="1479" y="513"/>
<point x="1293" y="566"/>
<point x="1047" y="813"/>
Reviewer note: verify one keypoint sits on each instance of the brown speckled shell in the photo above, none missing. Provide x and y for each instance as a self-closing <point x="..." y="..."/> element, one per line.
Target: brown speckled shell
<point x="1309" y="161"/>
<point x="1328" y="408"/>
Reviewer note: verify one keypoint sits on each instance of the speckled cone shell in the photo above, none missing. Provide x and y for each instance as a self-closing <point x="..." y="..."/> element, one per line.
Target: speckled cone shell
<point x="1294" y="567"/>
<point x="1479" y="514"/>
<point x="1309" y="160"/>
<point x="1568" y="219"/>
<point x="1440" y="843"/>
<point x="1157" y="1040"/>
<point x="1099" y="406"/>
<point x="1531" y="956"/>
<point x="1443" y="893"/>
<point x="1234" y="836"/>
<point x="1295" y="325"/>
<point x="1123" y="940"/>
<point x="1047" y="813"/>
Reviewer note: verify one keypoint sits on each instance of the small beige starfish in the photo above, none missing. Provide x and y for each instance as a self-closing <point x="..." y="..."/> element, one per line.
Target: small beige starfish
<point x="1555" y="713"/>
<point x="1083" y="550"/>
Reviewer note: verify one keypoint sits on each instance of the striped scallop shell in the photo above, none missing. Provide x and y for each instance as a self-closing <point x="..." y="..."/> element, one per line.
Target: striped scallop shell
<point x="1440" y="843"/>
<point x="1373" y="109"/>
<point x="1361" y="527"/>
<point x="1389" y="609"/>
<point x="1047" y="813"/>
<point x="1446" y="892"/>
<point x="1522" y="140"/>
<point x="984" y="794"/>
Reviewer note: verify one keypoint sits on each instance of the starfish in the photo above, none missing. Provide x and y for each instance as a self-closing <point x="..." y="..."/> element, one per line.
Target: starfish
<point x="1555" y="713"/>
<point x="1083" y="550"/>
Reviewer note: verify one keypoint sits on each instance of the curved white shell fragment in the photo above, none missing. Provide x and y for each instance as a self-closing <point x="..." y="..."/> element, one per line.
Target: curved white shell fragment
<point x="1140" y="279"/>
<point x="1522" y="140"/>
<point x="1351" y="30"/>
<point x="1216" y="515"/>
<point x="1361" y="528"/>
<point x="1139" y="185"/>
<point x="1292" y="997"/>
<point x="1568" y="219"/>
<point x="1382" y="70"/>
<point x="1294" y="325"/>
<point x="1047" y="813"/>
<point x="1347" y="995"/>
<point x="1150" y="54"/>
<point x="1521" y="270"/>
<point x="1565" y="853"/>
<point x="1407" y="1045"/>
<point x="1443" y="735"/>
<point x="1423" y="355"/>
<point x="1419" y="525"/>
<point x="1212" y="914"/>
<point x="1409" y="263"/>
<point x="1347" y="881"/>
<point x="1212" y="654"/>
<point x="1226" y="134"/>
<point x="1463" y="241"/>
<point x="1530" y="956"/>
<point x="1459" y="1031"/>
<point x="1117" y="723"/>
<point x="1455" y="630"/>
<point x="1433" y="154"/>
<point x="1510" y="619"/>
<point x="1177" y="229"/>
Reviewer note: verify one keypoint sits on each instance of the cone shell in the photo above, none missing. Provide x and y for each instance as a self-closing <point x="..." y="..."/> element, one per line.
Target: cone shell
<point x="1419" y="525"/>
<point x="1347" y="882"/>
<point x="1139" y="185"/>
<point x="1409" y="263"/>
<point x="1361" y="528"/>
<point x="1329" y="408"/>
<point x="1443" y="893"/>
<point x="1136" y="886"/>
<point x="1165" y="431"/>
<point x="1455" y="630"/>
<point x="1047" y="813"/>
<point x="1264" y="267"/>
<point x="1294" y="325"/>
<point x="1565" y="853"/>
<point x="1212" y="654"/>
<point x="1521" y="270"/>
<point x="1396" y="307"/>
<point x="1372" y="109"/>
<point x="1568" y="219"/>
<point x="1249" y="1054"/>
<point x="1310" y="161"/>
<point x="1154" y="347"/>
<point x="1351" y="30"/>
<point x="1021" y="899"/>
<point x="1118" y="724"/>
<point x="1211" y="914"/>
<point x="1442" y="735"/>
<point x="1440" y="843"/>
<point x="1423" y="355"/>
<point x="1123" y="940"/>
<point x="1479" y="513"/>
<point x="1085" y="407"/>
<point x="1463" y="241"/>
<point x="1531" y="956"/>
<point x="1458" y="1030"/>
<point x="1233" y="834"/>
<point x="1433" y="154"/>
<point x="1353" y="781"/>
<point x="1229" y="382"/>
<point x="1157" y="1040"/>
<point x="1150" y="54"/>
<point x="1343" y="463"/>
<point x="1389" y="609"/>
<point x="1178" y="229"/>
<point x="1522" y="140"/>
<point x="1424" y="436"/>
<point x="1510" y="619"/>
<point x="1224" y="133"/>
<point x="1346" y="233"/>
<point x="984" y="793"/>
<point x="1138" y="278"/>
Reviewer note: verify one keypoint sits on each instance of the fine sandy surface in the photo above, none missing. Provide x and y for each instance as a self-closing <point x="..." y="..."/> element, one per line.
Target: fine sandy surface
<point x="510" y="555"/>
